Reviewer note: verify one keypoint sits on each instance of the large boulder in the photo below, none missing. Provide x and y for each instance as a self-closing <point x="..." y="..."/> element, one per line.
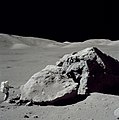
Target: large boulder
<point x="86" y="71"/>
<point x="48" y="85"/>
<point x="92" y="69"/>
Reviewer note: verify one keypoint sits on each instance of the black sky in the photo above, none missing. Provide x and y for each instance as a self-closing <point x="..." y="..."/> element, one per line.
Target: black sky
<point x="60" y="21"/>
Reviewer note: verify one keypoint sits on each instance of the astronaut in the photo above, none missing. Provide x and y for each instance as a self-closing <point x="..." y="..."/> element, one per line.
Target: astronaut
<point x="5" y="89"/>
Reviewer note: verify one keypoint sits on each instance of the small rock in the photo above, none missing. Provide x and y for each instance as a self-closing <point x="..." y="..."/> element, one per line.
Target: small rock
<point x="8" y="67"/>
<point x="29" y="103"/>
<point x="30" y="112"/>
<point x="35" y="116"/>
<point x="26" y="116"/>
<point x="116" y="113"/>
<point x="17" y="97"/>
<point x="106" y="108"/>
<point x="13" y="91"/>
<point x="11" y="101"/>
<point x="2" y="106"/>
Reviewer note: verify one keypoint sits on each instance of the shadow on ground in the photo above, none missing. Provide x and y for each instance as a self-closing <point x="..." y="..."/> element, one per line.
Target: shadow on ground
<point x="65" y="102"/>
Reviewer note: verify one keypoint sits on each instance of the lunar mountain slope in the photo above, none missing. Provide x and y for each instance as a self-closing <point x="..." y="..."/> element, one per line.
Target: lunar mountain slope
<point x="20" y="42"/>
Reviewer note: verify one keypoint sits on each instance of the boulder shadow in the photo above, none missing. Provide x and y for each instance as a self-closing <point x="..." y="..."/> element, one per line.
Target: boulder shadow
<point x="63" y="102"/>
<point x="71" y="101"/>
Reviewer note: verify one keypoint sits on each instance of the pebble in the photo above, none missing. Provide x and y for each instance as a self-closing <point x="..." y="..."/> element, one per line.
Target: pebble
<point x="29" y="104"/>
<point x="26" y="116"/>
<point x="11" y="101"/>
<point x="30" y="112"/>
<point x="35" y="116"/>
<point x="2" y="106"/>
<point x="106" y="108"/>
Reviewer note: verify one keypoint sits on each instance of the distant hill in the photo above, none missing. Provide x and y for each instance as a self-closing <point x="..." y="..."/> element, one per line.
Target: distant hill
<point x="20" y="42"/>
<point x="17" y="42"/>
<point x="91" y="42"/>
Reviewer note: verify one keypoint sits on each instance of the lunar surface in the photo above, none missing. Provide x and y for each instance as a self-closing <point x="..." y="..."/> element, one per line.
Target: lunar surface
<point x="22" y="57"/>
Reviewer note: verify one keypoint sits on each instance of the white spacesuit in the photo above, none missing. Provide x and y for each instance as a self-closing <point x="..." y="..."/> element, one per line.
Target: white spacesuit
<point x="5" y="89"/>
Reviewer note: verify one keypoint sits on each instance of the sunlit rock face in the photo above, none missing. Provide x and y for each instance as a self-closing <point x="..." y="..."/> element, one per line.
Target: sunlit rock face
<point x="86" y="71"/>
<point x="48" y="85"/>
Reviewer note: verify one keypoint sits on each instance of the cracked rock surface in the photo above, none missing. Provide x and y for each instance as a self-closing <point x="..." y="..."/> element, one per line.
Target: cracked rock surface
<point x="86" y="71"/>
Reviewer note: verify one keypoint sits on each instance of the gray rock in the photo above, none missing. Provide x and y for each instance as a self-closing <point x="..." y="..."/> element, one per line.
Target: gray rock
<point x="30" y="103"/>
<point x="92" y="69"/>
<point x="35" y="116"/>
<point x="47" y="85"/>
<point x="26" y="116"/>
<point x="116" y="113"/>
<point x="86" y="71"/>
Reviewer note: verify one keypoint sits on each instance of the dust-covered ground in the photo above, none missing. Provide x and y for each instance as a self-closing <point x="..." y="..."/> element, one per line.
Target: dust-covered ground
<point x="18" y="65"/>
